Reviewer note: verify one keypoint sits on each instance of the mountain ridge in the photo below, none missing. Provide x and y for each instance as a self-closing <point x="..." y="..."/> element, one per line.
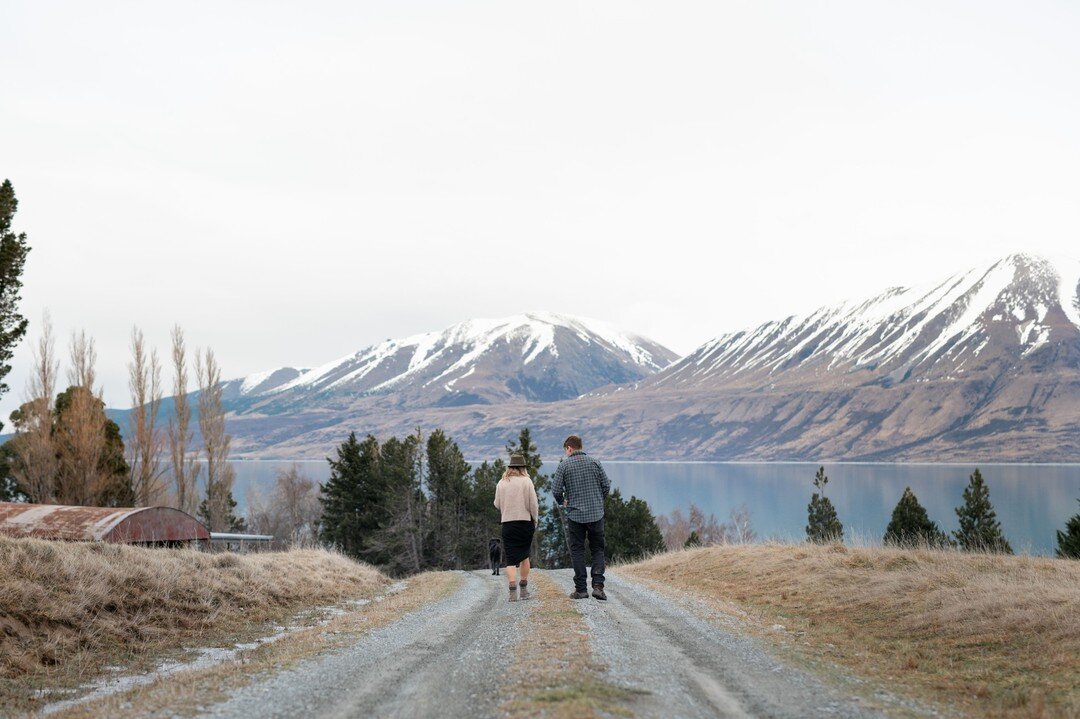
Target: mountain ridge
<point x="983" y="364"/>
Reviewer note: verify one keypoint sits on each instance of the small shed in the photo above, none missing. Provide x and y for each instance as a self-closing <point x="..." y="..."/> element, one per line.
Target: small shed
<point x="126" y="525"/>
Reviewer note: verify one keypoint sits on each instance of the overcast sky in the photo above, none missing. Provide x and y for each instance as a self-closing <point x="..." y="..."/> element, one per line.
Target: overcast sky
<point x="293" y="181"/>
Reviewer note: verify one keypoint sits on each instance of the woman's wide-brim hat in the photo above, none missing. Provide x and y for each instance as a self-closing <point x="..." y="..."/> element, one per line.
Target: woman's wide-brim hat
<point x="517" y="460"/>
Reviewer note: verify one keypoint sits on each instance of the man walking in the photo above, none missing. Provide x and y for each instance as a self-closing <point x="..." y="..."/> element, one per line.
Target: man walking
<point x="580" y="487"/>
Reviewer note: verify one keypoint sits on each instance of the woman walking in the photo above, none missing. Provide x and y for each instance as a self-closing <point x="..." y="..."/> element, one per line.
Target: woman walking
<point x="515" y="497"/>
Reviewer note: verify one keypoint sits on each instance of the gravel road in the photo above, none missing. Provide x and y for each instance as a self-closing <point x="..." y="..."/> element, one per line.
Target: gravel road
<point x="447" y="660"/>
<point x="443" y="660"/>
<point x="690" y="666"/>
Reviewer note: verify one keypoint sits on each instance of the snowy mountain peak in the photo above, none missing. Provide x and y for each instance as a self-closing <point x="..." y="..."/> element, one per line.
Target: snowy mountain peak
<point x="1014" y="305"/>
<point x="540" y="356"/>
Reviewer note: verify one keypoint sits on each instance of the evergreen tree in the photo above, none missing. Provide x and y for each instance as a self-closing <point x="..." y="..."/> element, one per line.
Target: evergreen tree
<point x="630" y="530"/>
<point x="399" y="544"/>
<point x="980" y="531"/>
<point x="449" y="494"/>
<point x="232" y="522"/>
<point x="9" y="487"/>
<point x="1068" y="542"/>
<point x="911" y="526"/>
<point x="13" y="251"/>
<point x="823" y="525"/>
<point x="352" y="498"/>
<point x="693" y="540"/>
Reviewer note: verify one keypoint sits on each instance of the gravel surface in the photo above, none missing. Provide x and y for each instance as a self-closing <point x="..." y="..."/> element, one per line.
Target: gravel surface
<point x="448" y="660"/>
<point x="689" y="666"/>
<point x="444" y="660"/>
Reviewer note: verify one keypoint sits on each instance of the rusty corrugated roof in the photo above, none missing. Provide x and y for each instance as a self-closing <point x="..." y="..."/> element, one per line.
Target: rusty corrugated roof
<point x="102" y="524"/>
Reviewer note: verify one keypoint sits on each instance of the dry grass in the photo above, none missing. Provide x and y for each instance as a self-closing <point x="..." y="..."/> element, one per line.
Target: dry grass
<point x="191" y="692"/>
<point x="68" y="610"/>
<point x="989" y="635"/>
<point x="561" y="679"/>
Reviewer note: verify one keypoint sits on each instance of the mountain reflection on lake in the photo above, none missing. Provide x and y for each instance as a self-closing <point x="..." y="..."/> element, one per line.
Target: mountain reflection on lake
<point x="1032" y="501"/>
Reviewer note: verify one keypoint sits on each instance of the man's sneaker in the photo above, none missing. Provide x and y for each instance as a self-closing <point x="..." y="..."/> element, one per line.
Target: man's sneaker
<point x="513" y="593"/>
<point x="523" y="590"/>
<point x="579" y="595"/>
<point x="598" y="592"/>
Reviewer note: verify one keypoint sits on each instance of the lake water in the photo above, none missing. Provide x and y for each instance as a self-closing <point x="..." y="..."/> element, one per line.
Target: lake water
<point x="1032" y="501"/>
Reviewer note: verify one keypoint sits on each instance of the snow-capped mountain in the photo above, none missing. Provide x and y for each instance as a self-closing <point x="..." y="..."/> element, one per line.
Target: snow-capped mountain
<point x="538" y="357"/>
<point x="982" y="366"/>
<point x="966" y="323"/>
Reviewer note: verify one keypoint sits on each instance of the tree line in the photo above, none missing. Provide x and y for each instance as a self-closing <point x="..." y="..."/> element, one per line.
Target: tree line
<point x="412" y="504"/>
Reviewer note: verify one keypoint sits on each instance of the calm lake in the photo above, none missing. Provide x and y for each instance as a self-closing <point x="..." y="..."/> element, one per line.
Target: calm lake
<point x="1032" y="501"/>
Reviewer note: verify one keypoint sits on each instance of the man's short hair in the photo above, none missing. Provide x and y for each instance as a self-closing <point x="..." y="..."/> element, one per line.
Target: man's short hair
<point x="573" y="442"/>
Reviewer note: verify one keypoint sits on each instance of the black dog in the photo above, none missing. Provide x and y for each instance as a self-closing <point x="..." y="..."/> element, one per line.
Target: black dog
<point x="496" y="555"/>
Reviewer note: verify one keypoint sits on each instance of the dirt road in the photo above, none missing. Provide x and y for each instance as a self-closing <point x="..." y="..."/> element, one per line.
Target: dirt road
<point x="448" y="659"/>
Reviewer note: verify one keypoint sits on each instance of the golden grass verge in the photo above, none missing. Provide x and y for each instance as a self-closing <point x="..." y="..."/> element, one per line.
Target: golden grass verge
<point x="191" y="692"/>
<point x="988" y="635"/>
<point x="68" y="610"/>
<point x="560" y="679"/>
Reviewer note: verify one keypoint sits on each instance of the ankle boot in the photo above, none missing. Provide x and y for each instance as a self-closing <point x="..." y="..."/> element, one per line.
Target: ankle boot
<point x="513" y="593"/>
<point x="523" y="591"/>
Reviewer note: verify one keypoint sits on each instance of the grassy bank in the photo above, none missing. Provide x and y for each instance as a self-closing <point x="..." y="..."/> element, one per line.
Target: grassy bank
<point x="989" y="635"/>
<point x="67" y="610"/>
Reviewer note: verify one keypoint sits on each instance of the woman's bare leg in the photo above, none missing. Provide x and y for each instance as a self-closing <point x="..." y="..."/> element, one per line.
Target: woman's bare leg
<point x="511" y="574"/>
<point x="524" y="569"/>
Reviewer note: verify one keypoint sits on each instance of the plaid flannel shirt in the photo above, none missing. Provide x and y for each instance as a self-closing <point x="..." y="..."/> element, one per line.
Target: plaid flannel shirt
<point x="584" y="484"/>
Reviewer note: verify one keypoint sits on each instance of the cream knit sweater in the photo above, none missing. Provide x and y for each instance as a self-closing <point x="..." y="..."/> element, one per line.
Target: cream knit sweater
<point x="515" y="497"/>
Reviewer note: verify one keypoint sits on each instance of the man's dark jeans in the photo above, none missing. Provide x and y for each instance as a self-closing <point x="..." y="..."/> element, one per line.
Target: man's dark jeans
<point x="595" y="532"/>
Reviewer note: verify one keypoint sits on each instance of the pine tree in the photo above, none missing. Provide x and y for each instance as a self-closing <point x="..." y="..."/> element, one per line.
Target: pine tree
<point x="448" y="485"/>
<point x="693" y="540"/>
<point x="13" y="251"/>
<point x="911" y="526"/>
<point x="823" y="525"/>
<point x="980" y="531"/>
<point x="630" y="530"/>
<point x="352" y="497"/>
<point x="399" y="543"/>
<point x="1068" y="542"/>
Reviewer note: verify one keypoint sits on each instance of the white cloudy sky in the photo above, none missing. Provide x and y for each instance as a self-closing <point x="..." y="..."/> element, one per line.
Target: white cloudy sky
<point x="293" y="181"/>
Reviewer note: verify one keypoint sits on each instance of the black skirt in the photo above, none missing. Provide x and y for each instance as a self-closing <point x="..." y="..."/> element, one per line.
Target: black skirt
<point x="517" y="541"/>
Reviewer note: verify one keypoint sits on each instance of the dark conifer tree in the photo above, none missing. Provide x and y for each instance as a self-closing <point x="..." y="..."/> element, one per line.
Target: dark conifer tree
<point x="693" y="540"/>
<point x="911" y="526"/>
<point x="823" y="525"/>
<point x="352" y="496"/>
<point x="630" y="530"/>
<point x="449" y="494"/>
<point x="13" y="251"/>
<point x="980" y="531"/>
<point x="399" y="544"/>
<point x="1068" y="542"/>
